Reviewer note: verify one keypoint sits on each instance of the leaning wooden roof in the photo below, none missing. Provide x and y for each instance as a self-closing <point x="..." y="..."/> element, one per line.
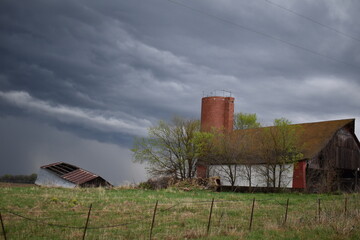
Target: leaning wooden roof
<point x="312" y="137"/>
<point x="71" y="173"/>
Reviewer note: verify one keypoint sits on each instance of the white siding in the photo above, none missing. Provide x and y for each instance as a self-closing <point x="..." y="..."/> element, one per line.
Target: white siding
<point x="257" y="175"/>
<point x="50" y="179"/>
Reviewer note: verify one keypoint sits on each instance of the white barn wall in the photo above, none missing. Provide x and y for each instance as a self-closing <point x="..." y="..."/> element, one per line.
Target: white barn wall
<point x="48" y="178"/>
<point x="257" y="179"/>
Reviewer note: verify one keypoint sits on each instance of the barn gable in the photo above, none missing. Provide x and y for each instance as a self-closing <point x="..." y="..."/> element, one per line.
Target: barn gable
<point x="336" y="165"/>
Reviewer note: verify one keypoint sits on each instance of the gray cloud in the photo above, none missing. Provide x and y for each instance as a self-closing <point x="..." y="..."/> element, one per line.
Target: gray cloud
<point x="71" y="115"/>
<point x="105" y="71"/>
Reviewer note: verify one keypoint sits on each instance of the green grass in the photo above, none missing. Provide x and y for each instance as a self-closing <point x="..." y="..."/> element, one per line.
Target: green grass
<point x="56" y="213"/>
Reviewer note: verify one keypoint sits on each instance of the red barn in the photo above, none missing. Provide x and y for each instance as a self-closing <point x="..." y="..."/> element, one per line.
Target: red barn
<point x="330" y="152"/>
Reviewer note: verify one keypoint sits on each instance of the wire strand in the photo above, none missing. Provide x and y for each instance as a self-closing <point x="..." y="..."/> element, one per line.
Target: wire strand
<point x="312" y="20"/>
<point x="261" y="33"/>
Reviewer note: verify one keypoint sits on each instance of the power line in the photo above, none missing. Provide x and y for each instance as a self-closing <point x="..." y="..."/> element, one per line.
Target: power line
<point x="312" y="20"/>
<point x="261" y="33"/>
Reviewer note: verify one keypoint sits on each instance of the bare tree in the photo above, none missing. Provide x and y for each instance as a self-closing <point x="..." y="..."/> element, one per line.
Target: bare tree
<point x="226" y="153"/>
<point x="169" y="150"/>
<point x="247" y="173"/>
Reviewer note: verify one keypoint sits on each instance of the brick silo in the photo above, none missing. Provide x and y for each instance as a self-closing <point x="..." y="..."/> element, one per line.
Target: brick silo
<point x="217" y="113"/>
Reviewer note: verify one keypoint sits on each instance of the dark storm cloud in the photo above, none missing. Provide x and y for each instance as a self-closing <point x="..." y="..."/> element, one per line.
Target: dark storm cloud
<point x="107" y="70"/>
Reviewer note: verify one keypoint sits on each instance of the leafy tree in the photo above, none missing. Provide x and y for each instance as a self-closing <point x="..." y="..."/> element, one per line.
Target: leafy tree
<point x="246" y="121"/>
<point x="169" y="149"/>
<point x="279" y="146"/>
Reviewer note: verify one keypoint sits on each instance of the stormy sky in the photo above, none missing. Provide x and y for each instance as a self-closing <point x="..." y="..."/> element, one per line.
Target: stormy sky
<point x="80" y="79"/>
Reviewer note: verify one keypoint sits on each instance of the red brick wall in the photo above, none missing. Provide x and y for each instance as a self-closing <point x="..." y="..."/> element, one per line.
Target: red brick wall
<point x="229" y="114"/>
<point x="201" y="171"/>
<point x="299" y="177"/>
<point x="217" y="112"/>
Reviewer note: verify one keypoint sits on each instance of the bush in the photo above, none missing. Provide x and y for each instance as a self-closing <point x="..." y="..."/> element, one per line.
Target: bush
<point x="155" y="183"/>
<point x="18" y="178"/>
<point x="185" y="185"/>
<point x="145" y="185"/>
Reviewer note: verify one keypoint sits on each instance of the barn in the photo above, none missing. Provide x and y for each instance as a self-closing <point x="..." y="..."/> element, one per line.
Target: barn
<point x="330" y="153"/>
<point x="61" y="174"/>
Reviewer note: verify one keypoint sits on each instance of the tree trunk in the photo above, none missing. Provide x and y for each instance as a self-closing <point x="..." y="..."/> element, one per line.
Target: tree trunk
<point x="280" y="175"/>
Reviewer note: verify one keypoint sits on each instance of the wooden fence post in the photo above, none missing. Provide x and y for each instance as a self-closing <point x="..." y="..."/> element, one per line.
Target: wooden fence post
<point x="286" y="210"/>
<point x="209" y="222"/>
<point x="2" y="226"/>
<point x="252" y="214"/>
<point x="345" y="206"/>
<point x="87" y="222"/>
<point x="319" y="210"/>
<point x="153" y="219"/>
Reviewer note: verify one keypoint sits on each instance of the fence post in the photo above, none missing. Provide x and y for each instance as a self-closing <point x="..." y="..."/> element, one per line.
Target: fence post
<point x="252" y="214"/>
<point x="209" y="222"/>
<point x="153" y="219"/>
<point x="87" y="221"/>
<point x="2" y="226"/>
<point x="345" y="206"/>
<point x="319" y="210"/>
<point x="286" y="210"/>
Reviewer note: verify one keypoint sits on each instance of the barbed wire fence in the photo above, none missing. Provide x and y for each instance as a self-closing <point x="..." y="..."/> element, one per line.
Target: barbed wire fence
<point x="191" y="219"/>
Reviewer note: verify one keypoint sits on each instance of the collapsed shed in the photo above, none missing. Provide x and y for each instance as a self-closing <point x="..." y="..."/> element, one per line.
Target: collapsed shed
<point x="61" y="174"/>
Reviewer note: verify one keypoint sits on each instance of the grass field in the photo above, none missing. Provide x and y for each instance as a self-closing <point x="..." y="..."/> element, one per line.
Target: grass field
<point x="55" y="213"/>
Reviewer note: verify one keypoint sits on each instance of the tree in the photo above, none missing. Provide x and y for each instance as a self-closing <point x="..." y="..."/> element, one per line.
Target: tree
<point x="246" y="121"/>
<point x="225" y="152"/>
<point x="169" y="149"/>
<point x="228" y="151"/>
<point x="279" y="149"/>
<point x="247" y="173"/>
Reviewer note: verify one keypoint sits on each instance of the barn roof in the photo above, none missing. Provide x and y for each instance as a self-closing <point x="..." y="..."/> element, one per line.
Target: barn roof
<point x="71" y="173"/>
<point x="312" y="137"/>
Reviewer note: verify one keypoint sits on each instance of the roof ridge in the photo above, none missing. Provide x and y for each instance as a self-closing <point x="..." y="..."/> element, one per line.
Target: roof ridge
<point x="339" y="120"/>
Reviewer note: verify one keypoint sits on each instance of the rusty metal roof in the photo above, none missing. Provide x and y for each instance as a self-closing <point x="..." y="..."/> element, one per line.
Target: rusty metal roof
<point x="60" y="168"/>
<point x="79" y="176"/>
<point x="71" y="173"/>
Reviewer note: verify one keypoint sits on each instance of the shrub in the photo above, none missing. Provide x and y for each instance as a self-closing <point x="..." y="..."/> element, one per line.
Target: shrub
<point x="155" y="183"/>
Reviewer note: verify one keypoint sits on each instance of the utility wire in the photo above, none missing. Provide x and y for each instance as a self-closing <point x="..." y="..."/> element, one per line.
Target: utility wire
<point x="261" y="33"/>
<point x="312" y="20"/>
